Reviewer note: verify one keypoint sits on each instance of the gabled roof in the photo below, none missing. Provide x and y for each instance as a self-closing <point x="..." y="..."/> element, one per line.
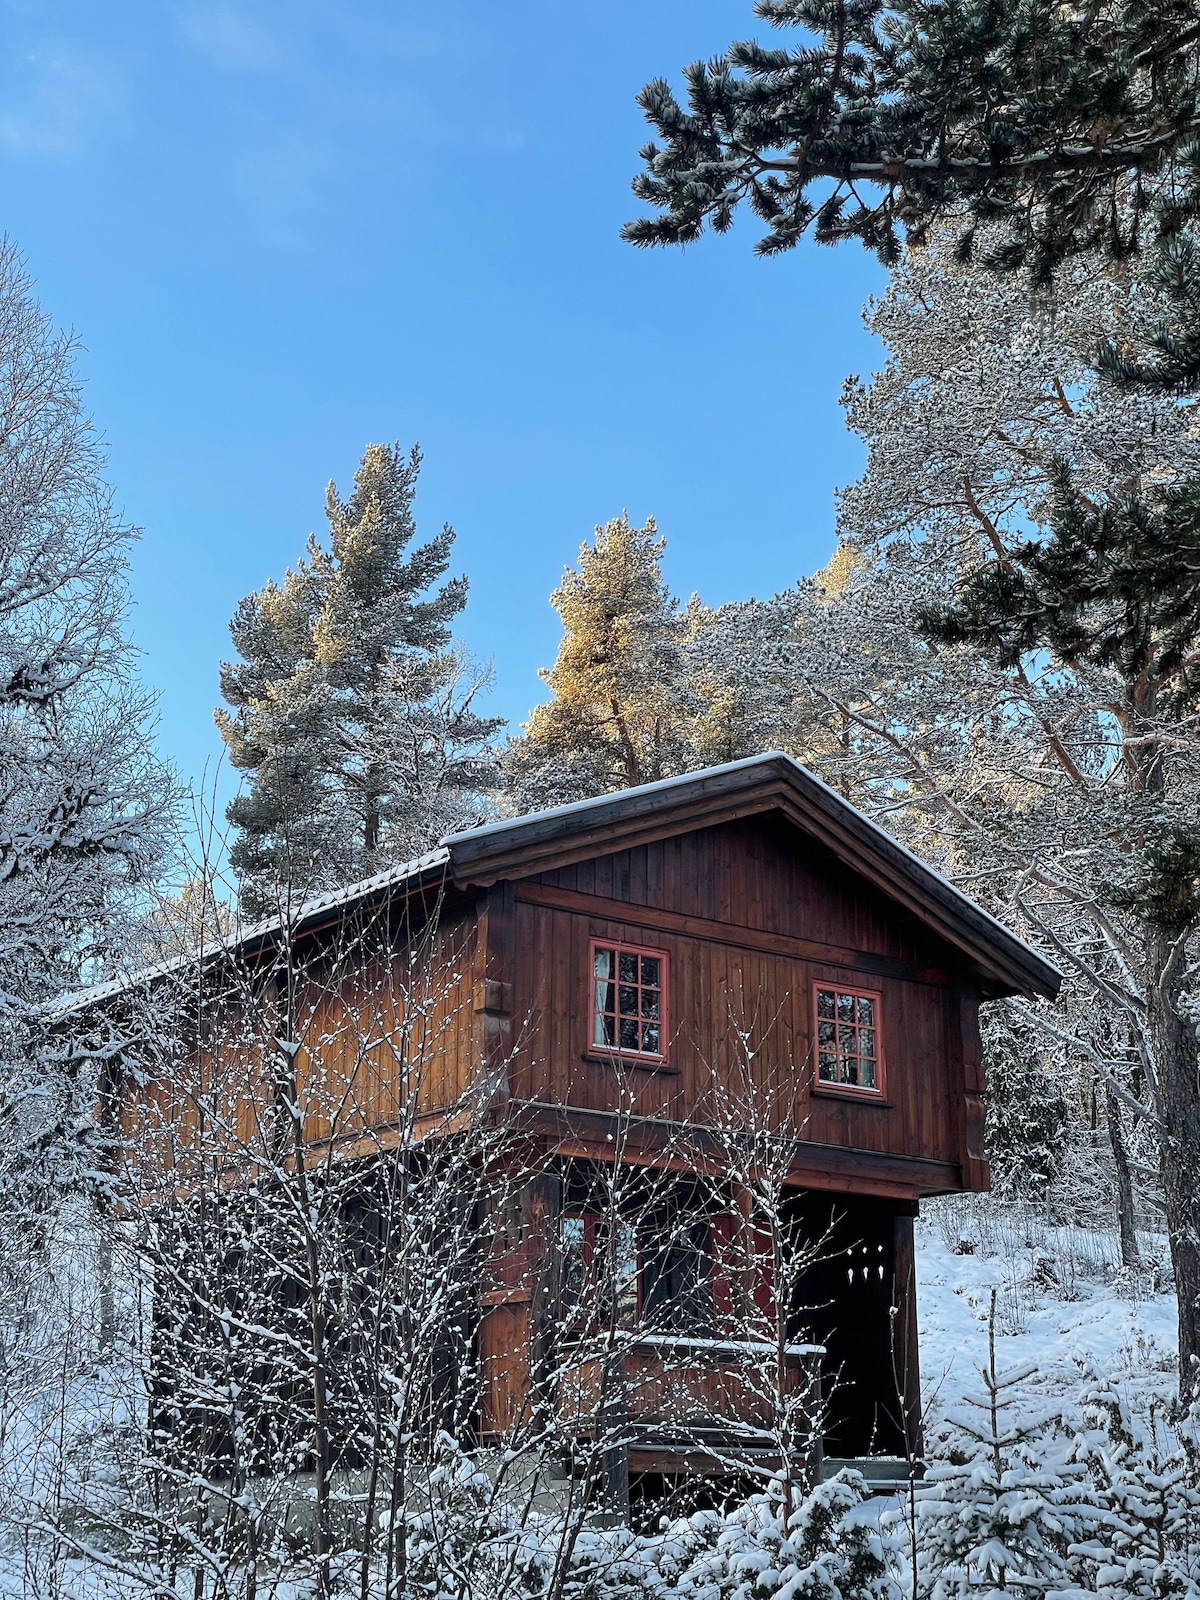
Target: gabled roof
<point x="770" y="782"/>
<point x="521" y="847"/>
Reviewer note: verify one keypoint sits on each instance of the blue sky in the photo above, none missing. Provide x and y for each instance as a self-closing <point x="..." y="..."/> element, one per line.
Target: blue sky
<point x="283" y="229"/>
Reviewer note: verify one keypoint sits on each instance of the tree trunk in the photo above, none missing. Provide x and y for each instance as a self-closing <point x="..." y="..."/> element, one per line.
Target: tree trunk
<point x="371" y="828"/>
<point x="1177" y="1104"/>
<point x="1120" y="1155"/>
<point x="104" y="1290"/>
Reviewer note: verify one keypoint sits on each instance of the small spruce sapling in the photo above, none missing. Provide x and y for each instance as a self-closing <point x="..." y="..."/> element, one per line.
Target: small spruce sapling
<point x="1010" y="1508"/>
<point x="1145" y="1478"/>
<point x="831" y="1551"/>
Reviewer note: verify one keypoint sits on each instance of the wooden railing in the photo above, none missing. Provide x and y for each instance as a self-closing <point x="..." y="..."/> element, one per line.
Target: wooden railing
<point x="680" y="1394"/>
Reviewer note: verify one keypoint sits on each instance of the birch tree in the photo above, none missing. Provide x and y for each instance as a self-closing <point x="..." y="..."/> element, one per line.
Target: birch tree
<point x="85" y="806"/>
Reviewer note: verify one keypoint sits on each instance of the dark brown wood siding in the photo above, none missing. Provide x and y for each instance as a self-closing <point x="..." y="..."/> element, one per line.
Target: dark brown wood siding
<point x="749" y="914"/>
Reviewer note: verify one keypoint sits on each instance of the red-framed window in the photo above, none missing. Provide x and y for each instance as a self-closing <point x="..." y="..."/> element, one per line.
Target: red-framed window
<point x="629" y="999"/>
<point x="586" y="1264"/>
<point x="849" y="1038"/>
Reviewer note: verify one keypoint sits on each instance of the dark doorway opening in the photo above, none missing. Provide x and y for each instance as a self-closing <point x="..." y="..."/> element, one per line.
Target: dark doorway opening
<point x="846" y="1299"/>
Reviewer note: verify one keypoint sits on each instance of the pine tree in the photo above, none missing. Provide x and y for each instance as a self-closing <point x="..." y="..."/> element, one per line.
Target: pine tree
<point x="1071" y="127"/>
<point x="1052" y="768"/>
<point x="620" y="706"/>
<point x="1027" y="1112"/>
<point x="644" y="688"/>
<point x="351" y="710"/>
<point x="1116" y="587"/>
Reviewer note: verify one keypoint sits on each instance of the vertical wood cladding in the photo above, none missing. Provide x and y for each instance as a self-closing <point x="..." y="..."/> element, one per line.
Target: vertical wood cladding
<point x="749" y="914"/>
<point x="384" y="1031"/>
<point x="396" y="1036"/>
<point x="391" y="1036"/>
<point x="762" y="876"/>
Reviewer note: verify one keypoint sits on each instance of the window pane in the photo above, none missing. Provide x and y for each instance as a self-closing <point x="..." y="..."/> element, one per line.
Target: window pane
<point x="848" y="1040"/>
<point x="627" y="1000"/>
<point x="826" y="1035"/>
<point x="849" y="1069"/>
<point x="845" y="1007"/>
<point x="827" y="1069"/>
<point x="866" y="1042"/>
<point x="866" y="1074"/>
<point x="825" y="1002"/>
<point x="573" y="1233"/>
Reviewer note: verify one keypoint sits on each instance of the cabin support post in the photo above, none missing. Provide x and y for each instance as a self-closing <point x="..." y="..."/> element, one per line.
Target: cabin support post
<point x="454" y="1397"/>
<point x="975" y="1170"/>
<point x="905" y="1358"/>
<point x="614" y="1485"/>
<point x="545" y="1210"/>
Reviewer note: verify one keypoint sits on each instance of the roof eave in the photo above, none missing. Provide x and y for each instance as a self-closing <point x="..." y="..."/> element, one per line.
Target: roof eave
<point x="526" y="846"/>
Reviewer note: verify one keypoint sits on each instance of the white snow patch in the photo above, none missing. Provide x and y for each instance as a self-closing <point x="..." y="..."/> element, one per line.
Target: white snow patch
<point x="1064" y="1305"/>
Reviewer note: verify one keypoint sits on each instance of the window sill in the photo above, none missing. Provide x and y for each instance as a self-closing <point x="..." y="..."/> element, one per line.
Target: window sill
<point x="860" y="1097"/>
<point x="614" y="1058"/>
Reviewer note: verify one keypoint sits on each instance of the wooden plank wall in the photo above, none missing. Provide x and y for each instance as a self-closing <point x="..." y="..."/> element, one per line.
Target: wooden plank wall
<point x="749" y="914"/>
<point x="764" y="878"/>
<point x="379" y="1037"/>
<point x="392" y="1037"/>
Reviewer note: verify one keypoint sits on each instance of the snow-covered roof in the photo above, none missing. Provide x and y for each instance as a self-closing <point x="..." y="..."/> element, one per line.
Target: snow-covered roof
<point x="523" y="846"/>
<point x="243" y="935"/>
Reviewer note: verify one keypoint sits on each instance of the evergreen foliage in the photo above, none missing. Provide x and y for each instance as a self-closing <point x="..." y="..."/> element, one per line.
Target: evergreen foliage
<point x="636" y="693"/>
<point x="1169" y="359"/>
<point x="1070" y="127"/>
<point x="823" y="1550"/>
<point x="1114" y="586"/>
<point x="1001" y="677"/>
<point x="1011" y="1508"/>
<point x="350" y="709"/>
<point x="1145" y="1476"/>
<point x="1025" y="1502"/>
<point x="614" y="720"/>
<point x="1027" y="1112"/>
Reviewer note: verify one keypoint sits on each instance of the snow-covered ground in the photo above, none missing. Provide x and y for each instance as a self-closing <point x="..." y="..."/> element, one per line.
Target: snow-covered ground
<point x="1062" y="1301"/>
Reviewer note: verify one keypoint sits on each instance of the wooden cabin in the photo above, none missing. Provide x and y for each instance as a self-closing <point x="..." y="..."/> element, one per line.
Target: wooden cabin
<point x="613" y="970"/>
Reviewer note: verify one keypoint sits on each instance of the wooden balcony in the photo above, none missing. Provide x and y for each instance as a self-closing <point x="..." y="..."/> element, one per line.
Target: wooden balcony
<point x="683" y="1403"/>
